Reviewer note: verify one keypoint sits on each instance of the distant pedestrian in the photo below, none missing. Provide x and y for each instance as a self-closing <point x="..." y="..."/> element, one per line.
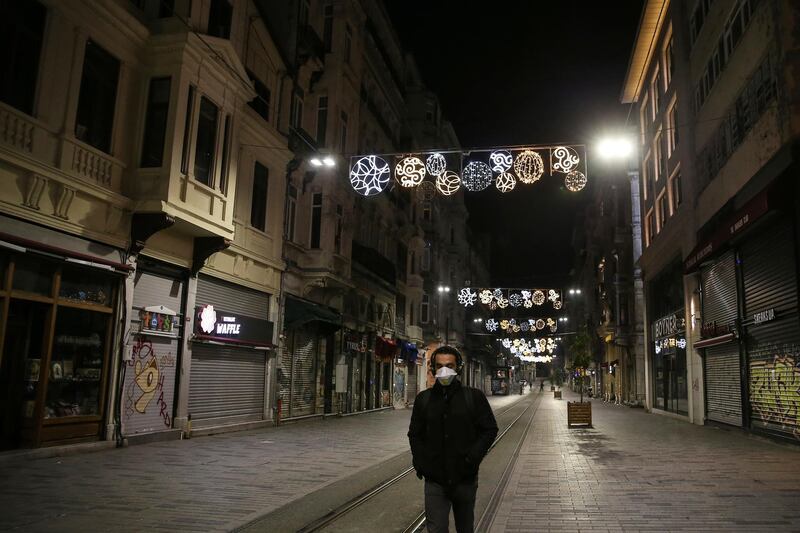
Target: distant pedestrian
<point x="541" y="386"/>
<point x="452" y="427"/>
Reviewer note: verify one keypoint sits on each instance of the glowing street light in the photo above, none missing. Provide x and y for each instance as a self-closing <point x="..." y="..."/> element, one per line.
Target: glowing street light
<point x="615" y="148"/>
<point x="444" y="288"/>
<point x="327" y="161"/>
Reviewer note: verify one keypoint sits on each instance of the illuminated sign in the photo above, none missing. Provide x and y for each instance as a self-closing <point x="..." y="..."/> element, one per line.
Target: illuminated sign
<point x="215" y="324"/>
<point x="766" y="315"/>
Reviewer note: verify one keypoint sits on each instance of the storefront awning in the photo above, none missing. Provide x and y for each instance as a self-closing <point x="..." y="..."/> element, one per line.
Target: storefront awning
<point x="300" y="312"/>
<point x="714" y="341"/>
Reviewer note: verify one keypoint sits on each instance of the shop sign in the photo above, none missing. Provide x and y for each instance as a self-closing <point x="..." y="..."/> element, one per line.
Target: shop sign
<point x="158" y="320"/>
<point x="670" y="344"/>
<point x="355" y="343"/>
<point x="215" y="324"/>
<point x="712" y="329"/>
<point x="669" y="325"/>
<point x="767" y="315"/>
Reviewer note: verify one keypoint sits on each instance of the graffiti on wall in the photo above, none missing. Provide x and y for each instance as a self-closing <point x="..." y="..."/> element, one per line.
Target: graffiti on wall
<point x="399" y="387"/>
<point x="145" y="387"/>
<point x="775" y="391"/>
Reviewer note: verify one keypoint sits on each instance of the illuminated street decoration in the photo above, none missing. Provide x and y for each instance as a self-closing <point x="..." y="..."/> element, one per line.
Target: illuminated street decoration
<point x="527" y="298"/>
<point x="505" y="182"/>
<point x="564" y="159"/>
<point x="410" y="171"/>
<point x="503" y="166"/>
<point x="436" y="164"/>
<point x="575" y="181"/>
<point x="426" y="191"/>
<point x="501" y="161"/>
<point x="529" y="166"/>
<point x="448" y="182"/>
<point x="476" y="176"/>
<point x="523" y="324"/>
<point x="370" y="175"/>
<point x="529" y="348"/>
<point x="467" y="297"/>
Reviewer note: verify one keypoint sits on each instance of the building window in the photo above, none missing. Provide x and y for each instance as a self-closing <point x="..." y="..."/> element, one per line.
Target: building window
<point x="658" y="157"/>
<point x="296" y="118"/>
<point x="155" y="123"/>
<point x="22" y="30"/>
<point x="698" y="18"/>
<point x="425" y="308"/>
<point x="260" y="104"/>
<point x="316" y="219"/>
<point x="226" y="148"/>
<point x="219" y="19"/>
<point x="663" y="210"/>
<point x="426" y="258"/>
<point x="343" y="133"/>
<point x="412" y="258"/>
<point x="655" y="93"/>
<point x="348" y="43"/>
<point x="648" y="177"/>
<point x="303" y="15"/>
<point x="676" y="190"/>
<point x="322" y="119"/>
<point x="206" y="143"/>
<point x="643" y="117"/>
<point x="649" y="228"/>
<point x="337" y="235"/>
<point x="672" y="128"/>
<point x="98" y="97"/>
<point x="291" y="211"/>
<point x="327" y="28"/>
<point x="258" y="207"/>
<point x="669" y="64"/>
<point x="426" y="212"/>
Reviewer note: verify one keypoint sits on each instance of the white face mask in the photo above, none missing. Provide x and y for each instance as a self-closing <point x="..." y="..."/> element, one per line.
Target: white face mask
<point x="445" y="375"/>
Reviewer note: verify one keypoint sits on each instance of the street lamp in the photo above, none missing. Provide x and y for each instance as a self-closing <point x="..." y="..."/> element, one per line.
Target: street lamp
<point x="615" y="148"/>
<point x="327" y="161"/>
<point x="443" y="290"/>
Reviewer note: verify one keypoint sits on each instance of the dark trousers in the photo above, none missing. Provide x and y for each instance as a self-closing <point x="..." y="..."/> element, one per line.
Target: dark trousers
<point x="437" y="507"/>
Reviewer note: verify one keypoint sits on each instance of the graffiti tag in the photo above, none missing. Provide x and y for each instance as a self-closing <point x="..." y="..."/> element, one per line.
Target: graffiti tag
<point x="775" y="391"/>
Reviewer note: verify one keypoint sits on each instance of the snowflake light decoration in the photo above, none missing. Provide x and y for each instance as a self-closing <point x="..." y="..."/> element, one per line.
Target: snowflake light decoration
<point x="564" y="159"/>
<point x="552" y="295"/>
<point x="410" y="171"/>
<point x="491" y="325"/>
<point x="476" y="176"/>
<point x="557" y="305"/>
<point x="515" y="299"/>
<point x="504" y="324"/>
<point x="467" y="297"/>
<point x="575" y="181"/>
<point x="514" y="328"/>
<point x="524" y="326"/>
<point x="505" y="182"/>
<point x="538" y="297"/>
<point x="436" y="164"/>
<point x="492" y="305"/>
<point x="506" y="343"/>
<point x="502" y="303"/>
<point x="552" y="324"/>
<point x="540" y="324"/>
<point x="448" y="182"/>
<point x="486" y="296"/>
<point x="529" y="166"/>
<point x="369" y="175"/>
<point x="498" y="293"/>
<point x="501" y="161"/>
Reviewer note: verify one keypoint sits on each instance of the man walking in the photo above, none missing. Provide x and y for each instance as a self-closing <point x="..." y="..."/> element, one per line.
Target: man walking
<point x="452" y="427"/>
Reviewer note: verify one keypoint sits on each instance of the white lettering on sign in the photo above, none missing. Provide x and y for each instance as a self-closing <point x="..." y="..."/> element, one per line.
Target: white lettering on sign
<point x="764" y="316"/>
<point x="229" y="319"/>
<point x="739" y="223"/>
<point x="228" y="328"/>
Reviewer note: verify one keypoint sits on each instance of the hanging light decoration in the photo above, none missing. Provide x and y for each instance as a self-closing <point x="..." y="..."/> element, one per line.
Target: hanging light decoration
<point x="515" y="299"/>
<point x="436" y="164"/>
<point x="538" y="297"/>
<point x="476" y="176"/>
<point x="369" y="175"/>
<point x="410" y="171"/>
<point x="505" y="182"/>
<point x="426" y="191"/>
<point x="467" y="297"/>
<point x="486" y="296"/>
<point x="575" y="181"/>
<point x="564" y="159"/>
<point x="448" y="182"/>
<point x="491" y="325"/>
<point x="501" y="161"/>
<point x="529" y="166"/>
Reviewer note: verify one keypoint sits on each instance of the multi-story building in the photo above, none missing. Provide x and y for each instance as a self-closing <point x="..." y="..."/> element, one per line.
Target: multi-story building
<point x="713" y="84"/>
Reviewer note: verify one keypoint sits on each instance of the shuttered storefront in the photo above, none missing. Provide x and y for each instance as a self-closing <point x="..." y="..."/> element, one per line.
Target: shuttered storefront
<point x="228" y="377"/>
<point x="148" y="399"/>
<point x="722" y="367"/>
<point x="773" y="332"/>
<point x="298" y="370"/>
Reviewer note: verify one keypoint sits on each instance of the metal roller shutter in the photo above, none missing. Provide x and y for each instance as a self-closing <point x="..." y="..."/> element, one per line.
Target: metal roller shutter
<point x="232" y="298"/>
<point x="140" y="415"/>
<point x="722" y="363"/>
<point x="227" y="384"/>
<point x="773" y="347"/>
<point x="297" y="373"/>
<point x="411" y="386"/>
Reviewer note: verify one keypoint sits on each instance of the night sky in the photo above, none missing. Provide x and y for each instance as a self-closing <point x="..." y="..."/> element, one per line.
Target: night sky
<point x="524" y="72"/>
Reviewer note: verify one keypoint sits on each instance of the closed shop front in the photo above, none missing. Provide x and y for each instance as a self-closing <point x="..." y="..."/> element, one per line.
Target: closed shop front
<point x="57" y="336"/>
<point x="772" y="326"/>
<point x="229" y="354"/>
<point x="722" y="361"/>
<point x="148" y="395"/>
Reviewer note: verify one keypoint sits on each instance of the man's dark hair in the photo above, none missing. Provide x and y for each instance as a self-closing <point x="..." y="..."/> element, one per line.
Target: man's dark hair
<point x="447" y="350"/>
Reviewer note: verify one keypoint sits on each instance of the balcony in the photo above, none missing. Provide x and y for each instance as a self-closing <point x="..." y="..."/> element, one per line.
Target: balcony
<point x="375" y="263"/>
<point x="310" y="46"/>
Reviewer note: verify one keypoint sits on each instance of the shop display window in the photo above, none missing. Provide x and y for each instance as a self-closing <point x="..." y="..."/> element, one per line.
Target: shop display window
<point x="76" y="365"/>
<point x="33" y="275"/>
<point x="81" y="285"/>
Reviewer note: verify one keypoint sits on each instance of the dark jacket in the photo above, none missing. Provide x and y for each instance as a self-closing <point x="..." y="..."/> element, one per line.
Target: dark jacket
<point x="447" y="442"/>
